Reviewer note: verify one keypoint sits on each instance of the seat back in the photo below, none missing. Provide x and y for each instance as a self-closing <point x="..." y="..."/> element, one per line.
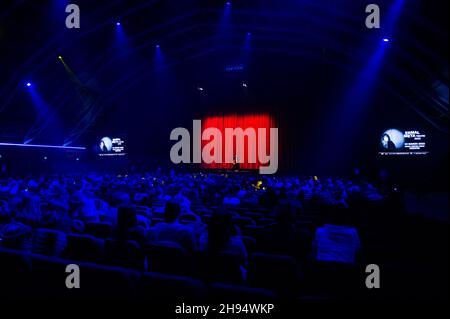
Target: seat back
<point x="235" y="293"/>
<point x="99" y="229"/>
<point x="277" y="272"/>
<point x="15" y="273"/>
<point x="188" y="218"/>
<point x="49" y="242"/>
<point x="156" y="286"/>
<point x="49" y="275"/>
<point x="124" y="253"/>
<point x="84" y="248"/>
<point x="108" y="282"/>
<point x="167" y="257"/>
<point x="219" y="267"/>
<point x="334" y="280"/>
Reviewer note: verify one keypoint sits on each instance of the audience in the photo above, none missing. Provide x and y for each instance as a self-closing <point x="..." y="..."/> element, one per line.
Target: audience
<point x="221" y="237"/>
<point x="283" y="237"/>
<point x="172" y="230"/>
<point x="205" y="214"/>
<point x="336" y="244"/>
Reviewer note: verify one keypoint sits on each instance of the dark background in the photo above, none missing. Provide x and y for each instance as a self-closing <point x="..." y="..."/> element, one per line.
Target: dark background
<point x="302" y="58"/>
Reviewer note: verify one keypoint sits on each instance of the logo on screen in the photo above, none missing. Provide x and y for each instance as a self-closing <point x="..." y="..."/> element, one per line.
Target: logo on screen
<point x="111" y="146"/>
<point x="399" y="142"/>
<point x="105" y="145"/>
<point x="392" y="140"/>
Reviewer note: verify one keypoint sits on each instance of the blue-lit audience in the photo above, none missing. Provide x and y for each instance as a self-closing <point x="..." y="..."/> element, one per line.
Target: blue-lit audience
<point x="171" y="230"/>
<point x="223" y="237"/>
<point x="196" y="211"/>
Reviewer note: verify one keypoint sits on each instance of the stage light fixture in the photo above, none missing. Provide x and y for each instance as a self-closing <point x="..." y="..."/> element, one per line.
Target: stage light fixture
<point x="118" y="24"/>
<point x="28" y="84"/>
<point x="386" y="40"/>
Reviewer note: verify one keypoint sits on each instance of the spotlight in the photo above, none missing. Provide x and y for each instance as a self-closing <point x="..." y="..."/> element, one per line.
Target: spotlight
<point x="200" y="89"/>
<point x="60" y="57"/>
<point x="249" y="34"/>
<point x="118" y="24"/>
<point x="28" y="84"/>
<point x="228" y="3"/>
<point x="45" y="158"/>
<point x="157" y="46"/>
<point x="244" y="85"/>
<point x="386" y="40"/>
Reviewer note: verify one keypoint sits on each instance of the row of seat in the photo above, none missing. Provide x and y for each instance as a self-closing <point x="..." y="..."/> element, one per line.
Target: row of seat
<point x="170" y="258"/>
<point x="31" y="275"/>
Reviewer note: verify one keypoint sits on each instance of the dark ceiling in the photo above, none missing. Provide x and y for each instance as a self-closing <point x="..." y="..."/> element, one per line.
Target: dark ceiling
<point x="194" y="40"/>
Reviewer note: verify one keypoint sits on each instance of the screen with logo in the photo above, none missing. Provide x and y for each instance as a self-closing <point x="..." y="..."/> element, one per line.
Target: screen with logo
<point x="111" y="146"/>
<point x="403" y="142"/>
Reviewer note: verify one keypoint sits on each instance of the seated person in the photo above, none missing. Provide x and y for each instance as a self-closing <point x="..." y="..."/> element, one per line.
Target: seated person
<point x="281" y="237"/>
<point x="87" y="208"/>
<point x="173" y="231"/>
<point x="28" y="204"/>
<point x="16" y="235"/>
<point x="220" y="237"/>
<point x="5" y="213"/>
<point x="56" y="217"/>
<point x="336" y="244"/>
<point x="128" y="226"/>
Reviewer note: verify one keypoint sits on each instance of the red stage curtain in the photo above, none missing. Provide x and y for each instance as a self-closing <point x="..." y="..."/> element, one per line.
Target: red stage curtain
<point x="254" y="121"/>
